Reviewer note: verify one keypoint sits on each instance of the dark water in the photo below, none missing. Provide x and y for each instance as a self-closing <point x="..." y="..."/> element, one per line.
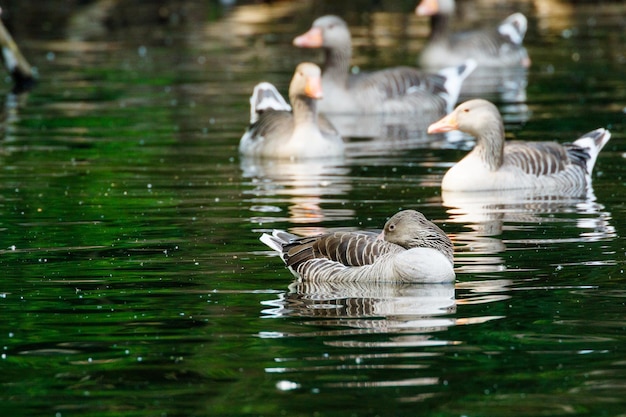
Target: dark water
<point x="134" y="283"/>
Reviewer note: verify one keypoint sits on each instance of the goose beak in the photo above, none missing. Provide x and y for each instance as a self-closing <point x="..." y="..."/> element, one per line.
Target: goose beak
<point x="446" y="124"/>
<point x="311" y="39"/>
<point x="313" y="87"/>
<point x="381" y="236"/>
<point x="427" y="8"/>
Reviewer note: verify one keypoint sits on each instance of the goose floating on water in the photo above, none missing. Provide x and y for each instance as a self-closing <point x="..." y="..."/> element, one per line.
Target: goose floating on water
<point x="388" y="91"/>
<point x="276" y="131"/>
<point x="409" y="249"/>
<point x="491" y="47"/>
<point x="494" y="164"/>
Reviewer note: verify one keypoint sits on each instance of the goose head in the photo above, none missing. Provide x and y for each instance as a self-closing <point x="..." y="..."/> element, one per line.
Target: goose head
<point x="410" y="229"/>
<point x="476" y="117"/>
<point x="306" y="81"/>
<point x="329" y="32"/>
<point x="433" y="7"/>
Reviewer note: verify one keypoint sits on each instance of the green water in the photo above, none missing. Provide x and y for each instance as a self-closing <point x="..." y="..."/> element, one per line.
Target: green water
<point x="134" y="283"/>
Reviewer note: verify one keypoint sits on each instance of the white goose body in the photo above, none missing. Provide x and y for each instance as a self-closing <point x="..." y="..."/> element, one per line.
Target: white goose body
<point x="493" y="47"/>
<point x="410" y="249"/>
<point x="276" y="131"/>
<point x="389" y="91"/>
<point x="494" y="164"/>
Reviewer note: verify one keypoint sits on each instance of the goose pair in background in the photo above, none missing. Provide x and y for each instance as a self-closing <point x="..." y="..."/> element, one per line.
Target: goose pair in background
<point x="278" y="133"/>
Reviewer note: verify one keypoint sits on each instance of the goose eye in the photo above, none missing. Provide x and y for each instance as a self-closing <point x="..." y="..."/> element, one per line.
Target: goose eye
<point x="391" y="227"/>
<point x="466" y="110"/>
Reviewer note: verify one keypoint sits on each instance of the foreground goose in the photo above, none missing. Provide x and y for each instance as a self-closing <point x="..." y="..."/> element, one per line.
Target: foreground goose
<point x="496" y="165"/>
<point x="409" y="249"/>
<point x="390" y="91"/>
<point x="277" y="132"/>
<point x="494" y="47"/>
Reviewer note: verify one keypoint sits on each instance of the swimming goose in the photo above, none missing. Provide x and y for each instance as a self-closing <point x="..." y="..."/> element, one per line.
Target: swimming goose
<point x="494" y="47"/>
<point x="277" y="132"/>
<point x="389" y="91"/>
<point x="496" y="165"/>
<point x="409" y="249"/>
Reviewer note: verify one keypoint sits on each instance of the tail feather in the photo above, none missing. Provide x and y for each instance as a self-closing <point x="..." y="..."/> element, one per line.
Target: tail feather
<point x="593" y="142"/>
<point x="454" y="80"/>
<point x="277" y="240"/>
<point x="266" y="97"/>
<point x="514" y="28"/>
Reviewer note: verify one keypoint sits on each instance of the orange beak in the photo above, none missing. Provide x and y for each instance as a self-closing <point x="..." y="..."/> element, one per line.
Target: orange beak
<point x="311" y="39"/>
<point x="427" y="8"/>
<point x="446" y="124"/>
<point x="313" y="87"/>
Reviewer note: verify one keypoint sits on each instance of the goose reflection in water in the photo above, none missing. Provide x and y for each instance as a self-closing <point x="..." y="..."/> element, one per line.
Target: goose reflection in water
<point x="410" y="313"/>
<point x="413" y="311"/>
<point x="303" y="185"/>
<point x="489" y="214"/>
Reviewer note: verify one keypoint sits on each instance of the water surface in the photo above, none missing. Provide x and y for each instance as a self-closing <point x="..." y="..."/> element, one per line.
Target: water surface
<point x="134" y="281"/>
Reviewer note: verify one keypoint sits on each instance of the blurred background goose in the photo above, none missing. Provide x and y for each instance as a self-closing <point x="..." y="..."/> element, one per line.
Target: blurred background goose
<point x="409" y="249"/>
<point x="492" y="47"/>
<point x="496" y="165"/>
<point x="389" y="91"/>
<point x="276" y="131"/>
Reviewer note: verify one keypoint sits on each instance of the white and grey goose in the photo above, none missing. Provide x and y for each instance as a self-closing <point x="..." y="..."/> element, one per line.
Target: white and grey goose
<point x="494" y="164"/>
<point x="500" y="46"/>
<point x="388" y="91"/>
<point x="409" y="249"/>
<point x="276" y="131"/>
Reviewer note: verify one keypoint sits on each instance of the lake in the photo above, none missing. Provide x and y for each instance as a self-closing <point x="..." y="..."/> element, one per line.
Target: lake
<point x="135" y="283"/>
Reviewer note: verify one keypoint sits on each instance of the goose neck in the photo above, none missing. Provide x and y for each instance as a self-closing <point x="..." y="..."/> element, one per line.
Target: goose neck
<point x="439" y="26"/>
<point x="490" y="146"/>
<point x="337" y="63"/>
<point x="304" y="110"/>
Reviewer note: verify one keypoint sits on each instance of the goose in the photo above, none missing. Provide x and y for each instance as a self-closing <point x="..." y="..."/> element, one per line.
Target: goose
<point x="493" y="47"/>
<point x="494" y="164"/>
<point x="276" y="131"/>
<point x="409" y="249"/>
<point x="389" y="91"/>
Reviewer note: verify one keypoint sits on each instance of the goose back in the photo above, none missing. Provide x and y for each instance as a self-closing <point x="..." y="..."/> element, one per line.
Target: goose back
<point x="388" y="91"/>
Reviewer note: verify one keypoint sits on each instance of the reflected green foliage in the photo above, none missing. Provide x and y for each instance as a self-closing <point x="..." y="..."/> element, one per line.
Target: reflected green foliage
<point x="134" y="283"/>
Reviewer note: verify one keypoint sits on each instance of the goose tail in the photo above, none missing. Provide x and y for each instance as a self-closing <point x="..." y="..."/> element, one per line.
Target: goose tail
<point x="277" y="240"/>
<point x="266" y="97"/>
<point x="593" y="142"/>
<point x="514" y="28"/>
<point x="454" y="77"/>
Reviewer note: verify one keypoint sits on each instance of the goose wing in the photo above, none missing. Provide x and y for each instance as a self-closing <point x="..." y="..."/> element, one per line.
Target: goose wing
<point x="266" y="97"/>
<point x="540" y="158"/>
<point x="396" y="82"/>
<point x="508" y="36"/>
<point x="272" y="124"/>
<point x="346" y="248"/>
